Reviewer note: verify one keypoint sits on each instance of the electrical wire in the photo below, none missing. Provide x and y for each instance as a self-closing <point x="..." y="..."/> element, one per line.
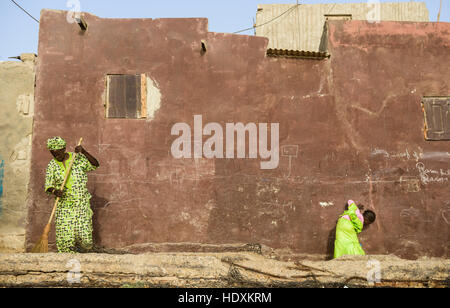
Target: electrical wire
<point x="24" y="10"/>
<point x="265" y="23"/>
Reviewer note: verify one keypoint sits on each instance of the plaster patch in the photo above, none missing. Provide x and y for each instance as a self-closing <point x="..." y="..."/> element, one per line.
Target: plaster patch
<point x="25" y="105"/>
<point x="185" y="216"/>
<point x="326" y="204"/>
<point x="21" y="151"/>
<point x="153" y="98"/>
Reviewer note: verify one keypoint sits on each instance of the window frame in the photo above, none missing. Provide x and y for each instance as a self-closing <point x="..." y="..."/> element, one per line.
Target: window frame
<point x="434" y="131"/>
<point x="140" y="114"/>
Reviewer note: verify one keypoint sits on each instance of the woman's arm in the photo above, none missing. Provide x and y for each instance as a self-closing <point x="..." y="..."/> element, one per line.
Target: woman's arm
<point x="94" y="162"/>
<point x="352" y="213"/>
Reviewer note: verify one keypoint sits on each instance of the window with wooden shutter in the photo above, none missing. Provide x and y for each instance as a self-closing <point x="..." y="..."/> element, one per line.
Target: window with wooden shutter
<point x="437" y="118"/>
<point x="126" y="96"/>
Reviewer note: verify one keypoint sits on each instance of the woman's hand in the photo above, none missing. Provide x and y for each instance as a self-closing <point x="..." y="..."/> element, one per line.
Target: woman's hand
<point x="58" y="193"/>
<point x="79" y="149"/>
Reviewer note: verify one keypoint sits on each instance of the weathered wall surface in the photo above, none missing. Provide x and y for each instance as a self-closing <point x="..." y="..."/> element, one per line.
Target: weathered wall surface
<point x="16" y="119"/>
<point x="380" y="73"/>
<point x="302" y="27"/>
<point x="141" y="194"/>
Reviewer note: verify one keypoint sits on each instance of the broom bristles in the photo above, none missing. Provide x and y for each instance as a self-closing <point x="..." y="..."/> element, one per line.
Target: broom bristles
<point x="42" y="245"/>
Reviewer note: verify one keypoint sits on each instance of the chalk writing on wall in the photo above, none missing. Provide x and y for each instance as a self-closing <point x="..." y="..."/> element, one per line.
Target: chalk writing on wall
<point x="409" y="154"/>
<point x="290" y="151"/>
<point x="432" y="176"/>
<point x="405" y="155"/>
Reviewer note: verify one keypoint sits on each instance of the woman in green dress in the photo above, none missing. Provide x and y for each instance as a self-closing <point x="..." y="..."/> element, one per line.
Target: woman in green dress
<point x="73" y="213"/>
<point x="349" y="225"/>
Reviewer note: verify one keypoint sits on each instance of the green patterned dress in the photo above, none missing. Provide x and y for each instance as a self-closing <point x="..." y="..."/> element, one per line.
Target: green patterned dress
<point x="349" y="225"/>
<point x="73" y="213"/>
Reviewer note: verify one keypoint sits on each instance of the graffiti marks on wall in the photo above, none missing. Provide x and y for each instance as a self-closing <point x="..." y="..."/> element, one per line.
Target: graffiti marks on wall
<point x="445" y="213"/>
<point x="416" y="155"/>
<point x="290" y="151"/>
<point x="432" y="176"/>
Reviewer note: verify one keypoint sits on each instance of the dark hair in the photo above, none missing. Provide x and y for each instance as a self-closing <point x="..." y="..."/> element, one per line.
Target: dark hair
<point x="369" y="216"/>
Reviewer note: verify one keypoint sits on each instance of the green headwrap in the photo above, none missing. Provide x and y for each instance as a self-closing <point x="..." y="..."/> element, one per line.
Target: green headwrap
<point x="56" y="143"/>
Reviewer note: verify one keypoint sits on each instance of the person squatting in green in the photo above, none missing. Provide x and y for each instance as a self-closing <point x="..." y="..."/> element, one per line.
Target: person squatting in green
<point x="73" y="213"/>
<point x="349" y="225"/>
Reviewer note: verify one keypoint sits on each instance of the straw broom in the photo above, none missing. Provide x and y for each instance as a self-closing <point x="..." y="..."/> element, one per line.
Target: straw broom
<point x="42" y="245"/>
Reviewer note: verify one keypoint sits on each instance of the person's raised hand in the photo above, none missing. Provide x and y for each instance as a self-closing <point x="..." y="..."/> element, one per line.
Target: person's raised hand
<point x="79" y="149"/>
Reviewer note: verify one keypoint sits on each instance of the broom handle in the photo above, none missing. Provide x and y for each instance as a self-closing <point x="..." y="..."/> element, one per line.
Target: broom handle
<point x="64" y="184"/>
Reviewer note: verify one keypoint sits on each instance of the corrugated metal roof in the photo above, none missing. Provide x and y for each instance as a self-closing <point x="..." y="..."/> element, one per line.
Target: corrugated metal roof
<point x="300" y="54"/>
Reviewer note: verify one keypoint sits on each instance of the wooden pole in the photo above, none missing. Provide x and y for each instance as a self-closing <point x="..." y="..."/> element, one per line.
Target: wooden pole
<point x="439" y="14"/>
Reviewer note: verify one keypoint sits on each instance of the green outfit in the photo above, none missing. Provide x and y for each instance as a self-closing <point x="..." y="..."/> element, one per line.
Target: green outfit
<point x="73" y="213"/>
<point x="56" y="143"/>
<point x="347" y="228"/>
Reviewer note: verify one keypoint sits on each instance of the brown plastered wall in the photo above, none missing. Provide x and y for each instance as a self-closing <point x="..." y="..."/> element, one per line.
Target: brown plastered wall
<point x="380" y="73"/>
<point x="141" y="194"/>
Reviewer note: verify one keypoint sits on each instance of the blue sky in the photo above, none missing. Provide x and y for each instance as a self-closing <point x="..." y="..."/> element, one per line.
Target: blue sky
<point x="19" y="32"/>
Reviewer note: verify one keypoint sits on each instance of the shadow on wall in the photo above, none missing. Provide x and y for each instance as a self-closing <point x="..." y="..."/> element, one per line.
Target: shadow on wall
<point x="323" y="47"/>
<point x="330" y="243"/>
<point x="97" y="203"/>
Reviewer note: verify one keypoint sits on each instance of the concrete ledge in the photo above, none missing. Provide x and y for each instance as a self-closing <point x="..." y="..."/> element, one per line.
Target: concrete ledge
<point x="213" y="270"/>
